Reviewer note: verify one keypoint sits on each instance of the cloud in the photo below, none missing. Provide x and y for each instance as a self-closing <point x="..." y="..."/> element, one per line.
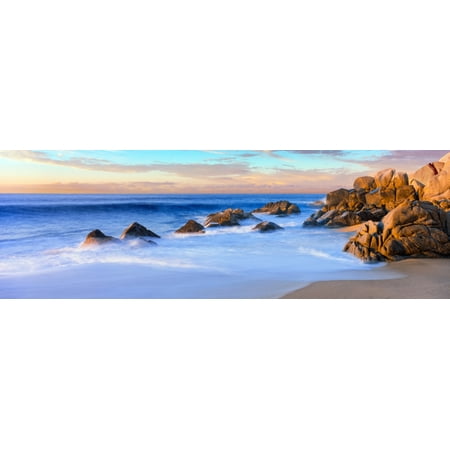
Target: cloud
<point x="95" y="164"/>
<point x="91" y="188"/>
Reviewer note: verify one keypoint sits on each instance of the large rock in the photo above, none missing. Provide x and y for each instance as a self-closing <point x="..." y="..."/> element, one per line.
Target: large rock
<point x="97" y="237"/>
<point x="191" y="226"/>
<point x="335" y="198"/>
<point x="426" y="173"/>
<point x="414" y="229"/>
<point x="335" y="218"/>
<point x="136" y="230"/>
<point x="390" y="179"/>
<point x="280" y="208"/>
<point x="264" y="227"/>
<point x="438" y="186"/>
<point x="228" y="218"/>
<point x="365" y="183"/>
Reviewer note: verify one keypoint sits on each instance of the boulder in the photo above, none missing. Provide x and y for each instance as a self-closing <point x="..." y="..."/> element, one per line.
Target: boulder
<point x="390" y="179"/>
<point x="412" y="229"/>
<point x="428" y="172"/>
<point x="227" y="218"/>
<point x="438" y="186"/>
<point x="338" y="197"/>
<point x="136" y="230"/>
<point x="280" y="208"/>
<point x="264" y="227"/>
<point x="367" y="184"/>
<point x="97" y="237"/>
<point x="191" y="226"/>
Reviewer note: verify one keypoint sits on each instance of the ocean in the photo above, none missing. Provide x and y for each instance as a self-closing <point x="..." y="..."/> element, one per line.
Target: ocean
<point x="41" y="255"/>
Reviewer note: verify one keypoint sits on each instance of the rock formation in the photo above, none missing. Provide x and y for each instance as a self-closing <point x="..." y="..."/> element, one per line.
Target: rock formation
<point x="370" y="199"/>
<point x="97" y="237"/>
<point x="281" y="208"/>
<point x="136" y="230"/>
<point x="412" y="229"/>
<point x="191" y="226"/>
<point x="228" y="218"/>
<point x="265" y="227"/>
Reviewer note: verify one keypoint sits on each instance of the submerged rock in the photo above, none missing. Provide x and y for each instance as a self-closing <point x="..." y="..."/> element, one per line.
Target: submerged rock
<point x="265" y="227"/>
<point x="136" y="230"/>
<point x="281" y="208"/>
<point x="97" y="237"/>
<point x="415" y="229"/>
<point x="191" y="226"/>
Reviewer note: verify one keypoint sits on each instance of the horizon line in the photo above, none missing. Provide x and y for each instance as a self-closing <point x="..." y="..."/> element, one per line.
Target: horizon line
<point x="155" y="193"/>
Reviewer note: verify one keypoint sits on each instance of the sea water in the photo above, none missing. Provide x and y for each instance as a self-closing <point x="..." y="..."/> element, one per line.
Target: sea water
<point x="41" y="254"/>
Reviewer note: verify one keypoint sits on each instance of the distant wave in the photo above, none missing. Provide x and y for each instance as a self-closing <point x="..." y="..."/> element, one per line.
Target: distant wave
<point x="68" y="208"/>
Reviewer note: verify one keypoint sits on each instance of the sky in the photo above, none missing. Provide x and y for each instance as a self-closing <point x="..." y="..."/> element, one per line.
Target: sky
<point x="197" y="171"/>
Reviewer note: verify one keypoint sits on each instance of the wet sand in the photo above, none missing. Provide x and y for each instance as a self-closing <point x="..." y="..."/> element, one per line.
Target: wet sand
<point x="419" y="278"/>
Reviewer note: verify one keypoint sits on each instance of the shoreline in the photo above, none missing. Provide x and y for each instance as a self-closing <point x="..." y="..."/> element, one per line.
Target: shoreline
<point x="419" y="278"/>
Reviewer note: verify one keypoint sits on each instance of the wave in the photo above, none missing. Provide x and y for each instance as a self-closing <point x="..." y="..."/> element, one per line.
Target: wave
<point x="107" y="208"/>
<point x="321" y="254"/>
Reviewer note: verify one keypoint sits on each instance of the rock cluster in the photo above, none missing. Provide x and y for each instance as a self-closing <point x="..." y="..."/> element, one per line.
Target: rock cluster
<point x="281" y="208"/>
<point x="134" y="231"/>
<point x="412" y="229"/>
<point x="370" y="199"/>
<point x="227" y="218"/>
<point x="402" y="216"/>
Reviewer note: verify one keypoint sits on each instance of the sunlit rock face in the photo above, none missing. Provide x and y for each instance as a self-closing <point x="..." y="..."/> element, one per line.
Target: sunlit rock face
<point x="412" y="229"/>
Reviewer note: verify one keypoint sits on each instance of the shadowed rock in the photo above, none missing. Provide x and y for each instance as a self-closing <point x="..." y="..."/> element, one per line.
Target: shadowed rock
<point x="265" y="227"/>
<point x="281" y="208"/>
<point x="191" y="226"/>
<point x="97" y="237"/>
<point x="136" y="230"/>
<point x="413" y="229"/>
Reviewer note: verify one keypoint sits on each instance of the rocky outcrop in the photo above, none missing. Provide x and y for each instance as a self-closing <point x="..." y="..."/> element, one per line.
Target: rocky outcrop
<point x="228" y="218"/>
<point x="281" y="208"/>
<point x="370" y="199"/>
<point x="97" y="237"/>
<point x="136" y="230"/>
<point x="412" y="229"/>
<point x="265" y="227"/>
<point x="191" y="226"/>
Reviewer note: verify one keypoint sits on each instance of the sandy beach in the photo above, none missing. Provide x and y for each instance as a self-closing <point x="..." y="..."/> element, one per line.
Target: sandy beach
<point x="419" y="278"/>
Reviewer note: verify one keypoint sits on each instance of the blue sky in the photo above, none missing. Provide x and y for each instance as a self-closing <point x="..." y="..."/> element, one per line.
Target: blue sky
<point x="156" y="171"/>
